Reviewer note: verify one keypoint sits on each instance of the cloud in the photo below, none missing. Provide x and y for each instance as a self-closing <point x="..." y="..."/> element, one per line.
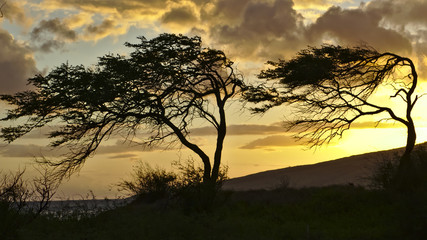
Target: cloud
<point x="108" y="27"/>
<point x="278" y="128"/>
<point x="126" y="156"/>
<point x="15" y="13"/>
<point x="28" y="150"/>
<point x="180" y="15"/>
<point x="263" y="27"/>
<point x="120" y="147"/>
<point x="372" y="124"/>
<point x="400" y="12"/>
<point x="106" y="6"/>
<point x="78" y="20"/>
<point x="356" y="26"/>
<point x="241" y="129"/>
<point x="271" y="142"/>
<point x="409" y="18"/>
<point x="17" y="64"/>
<point x="120" y="10"/>
<point x="56" y="27"/>
<point x="318" y="4"/>
<point x="247" y="30"/>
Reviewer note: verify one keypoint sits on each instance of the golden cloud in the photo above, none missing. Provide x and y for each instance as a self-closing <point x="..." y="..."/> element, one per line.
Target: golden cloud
<point x="271" y="142"/>
<point x="14" y="12"/>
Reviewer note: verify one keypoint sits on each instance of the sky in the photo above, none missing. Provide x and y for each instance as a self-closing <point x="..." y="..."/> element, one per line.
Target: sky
<point x="37" y="35"/>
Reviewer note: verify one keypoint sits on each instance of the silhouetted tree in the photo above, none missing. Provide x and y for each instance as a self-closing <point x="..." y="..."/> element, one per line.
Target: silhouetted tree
<point x="162" y="87"/>
<point x="331" y="88"/>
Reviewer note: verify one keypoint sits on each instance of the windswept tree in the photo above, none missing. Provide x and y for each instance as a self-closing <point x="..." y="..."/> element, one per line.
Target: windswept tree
<point x="161" y="88"/>
<point x="331" y="87"/>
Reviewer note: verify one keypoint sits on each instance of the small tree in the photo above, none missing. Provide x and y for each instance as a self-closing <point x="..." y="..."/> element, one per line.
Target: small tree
<point x="331" y="87"/>
<point x="162" y="87"/>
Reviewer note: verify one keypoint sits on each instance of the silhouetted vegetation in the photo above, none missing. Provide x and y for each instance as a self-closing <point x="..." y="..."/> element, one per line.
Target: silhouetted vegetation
<point x="162" y="87"/>
<point x="185" y="187"/>
<point x="336" y="212"/>
<point x="22" y="201"/>
<point x="386" y="176"/>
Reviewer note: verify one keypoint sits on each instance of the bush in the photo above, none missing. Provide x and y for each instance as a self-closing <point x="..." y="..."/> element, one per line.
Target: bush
<point x="149" y="183"/>
<point x="185" y="187"/>
<point x="384" y="173"/>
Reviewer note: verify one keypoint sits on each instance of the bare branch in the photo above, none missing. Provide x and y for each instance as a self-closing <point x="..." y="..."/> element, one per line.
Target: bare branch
<point x="1" y="9"/>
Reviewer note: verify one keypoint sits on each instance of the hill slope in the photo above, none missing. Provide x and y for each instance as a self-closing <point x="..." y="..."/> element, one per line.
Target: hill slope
<point x="348" y="170"/>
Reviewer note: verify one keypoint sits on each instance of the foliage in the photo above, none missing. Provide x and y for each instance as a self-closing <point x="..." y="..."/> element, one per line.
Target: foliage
<point x="162" y="87"/>
<point x="331" y="88"/>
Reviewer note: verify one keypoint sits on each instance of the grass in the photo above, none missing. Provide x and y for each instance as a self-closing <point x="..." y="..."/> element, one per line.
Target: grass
<point x="340" y="212"/>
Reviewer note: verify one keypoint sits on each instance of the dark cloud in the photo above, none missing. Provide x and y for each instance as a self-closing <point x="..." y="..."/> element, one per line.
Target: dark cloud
<point x="56" y="27"/>
<point x="225" y="12"/>
<point x="356" y="26"/>
<point x="100" y="30"/>
<point x="17" y="64"/>
<point x="261" y="30"/>
<point x="400" y="12"/>
<point x="52" y="34"/>
<point x="410" y="19"/>
<point x="180" y="15"/>
<point x="263" y="26"/>
<point x="271" y="141"/>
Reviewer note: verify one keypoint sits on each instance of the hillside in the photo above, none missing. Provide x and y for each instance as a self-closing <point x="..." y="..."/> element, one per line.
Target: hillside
<point x="343" y="171"/>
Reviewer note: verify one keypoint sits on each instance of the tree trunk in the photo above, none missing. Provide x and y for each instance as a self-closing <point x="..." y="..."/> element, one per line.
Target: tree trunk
<point x="206" y="170"/>
<point x="406" y="179"/>
<point x="410" y="141"/>
<point x="222" y="130"/>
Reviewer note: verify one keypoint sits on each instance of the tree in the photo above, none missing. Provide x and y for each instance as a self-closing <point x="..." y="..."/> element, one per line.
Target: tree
<point x="331" y="87"/>
<point x="162" y="87"/>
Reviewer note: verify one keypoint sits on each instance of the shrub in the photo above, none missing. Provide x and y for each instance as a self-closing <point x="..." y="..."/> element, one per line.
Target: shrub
<point x="149" y="183"/>
<point x="384" y="172"/>
<point x="185" y="187"/>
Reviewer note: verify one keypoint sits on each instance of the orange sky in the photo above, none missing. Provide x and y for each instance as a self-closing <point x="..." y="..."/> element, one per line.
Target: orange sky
<point x="37" y="35"/>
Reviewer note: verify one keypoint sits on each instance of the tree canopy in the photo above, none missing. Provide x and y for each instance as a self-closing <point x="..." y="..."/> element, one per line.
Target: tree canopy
<point x="161" y="87"/>
<point x="332" y="86"/>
